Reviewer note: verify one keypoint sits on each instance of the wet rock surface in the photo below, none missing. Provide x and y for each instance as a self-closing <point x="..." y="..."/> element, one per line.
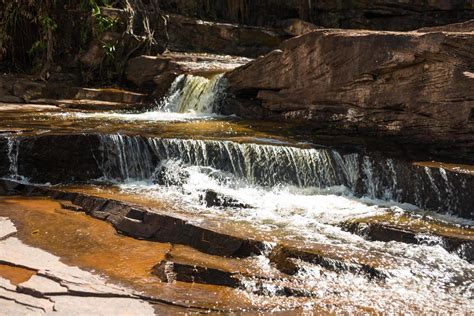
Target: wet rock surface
<point x="142" y="223"/>
<point x="215" y="199"/>
<point x="285" y="260"/>
<point x="413" y="89"/>
<point x="50" y="286"/>
<point x="161" y="70"/>
<point x="411" y="231"/>
<point x="66" y="94"/>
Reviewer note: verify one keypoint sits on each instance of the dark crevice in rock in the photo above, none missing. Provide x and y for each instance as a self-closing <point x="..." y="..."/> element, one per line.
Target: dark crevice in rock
<point x="21" y="303"/>
<point x="284" y="260"/>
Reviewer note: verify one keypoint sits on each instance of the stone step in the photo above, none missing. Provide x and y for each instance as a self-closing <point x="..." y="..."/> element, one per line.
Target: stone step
<point x="148" y="70"/>
<point x="412" y="230"/>
<point x="109" y="95"/>
<point x="91" y="104"/>
<point x="24" y="89"/>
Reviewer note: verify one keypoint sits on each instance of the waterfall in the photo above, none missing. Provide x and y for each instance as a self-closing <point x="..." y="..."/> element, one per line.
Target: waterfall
<point x="125" y="158"/>
<point x="138" y="158"/>
<point x="195" y="94"/>
<point x="12" y="153"/>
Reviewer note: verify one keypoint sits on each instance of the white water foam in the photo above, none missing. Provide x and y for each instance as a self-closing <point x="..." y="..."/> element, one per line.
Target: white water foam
<point x="425" y="277"/>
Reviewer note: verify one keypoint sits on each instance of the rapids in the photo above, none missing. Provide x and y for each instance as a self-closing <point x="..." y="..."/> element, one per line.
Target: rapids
<point x="283" y="188"/>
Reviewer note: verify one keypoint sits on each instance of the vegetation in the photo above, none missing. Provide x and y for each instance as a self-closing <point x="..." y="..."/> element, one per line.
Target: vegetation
<point x="37" y="36"/>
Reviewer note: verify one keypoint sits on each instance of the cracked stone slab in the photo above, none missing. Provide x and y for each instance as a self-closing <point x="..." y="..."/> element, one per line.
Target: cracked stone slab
<point x="11" y="308"/>
<point x="42" y="304"/>
<point x="71" y="305"/>
<point x="7" y="228"/>
<point x="42" y="285"/>
<point x="13" y="251"/>
<point x="66" y="290"/>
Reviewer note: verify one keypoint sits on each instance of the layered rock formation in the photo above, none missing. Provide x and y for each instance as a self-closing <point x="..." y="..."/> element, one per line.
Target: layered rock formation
<point x="416" y="88"/>
<point x="379" y="14"/>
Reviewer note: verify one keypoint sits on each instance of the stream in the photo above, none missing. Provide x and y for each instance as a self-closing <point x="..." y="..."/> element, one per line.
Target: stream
<point x="262" y="180"/>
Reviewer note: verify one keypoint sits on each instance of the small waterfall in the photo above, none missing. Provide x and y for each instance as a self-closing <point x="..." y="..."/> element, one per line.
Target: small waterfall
<point x="13" y="145"/>
<point x="195" y="94"/>
<point x="376" y="177"/>
<point x="125" y="158"/>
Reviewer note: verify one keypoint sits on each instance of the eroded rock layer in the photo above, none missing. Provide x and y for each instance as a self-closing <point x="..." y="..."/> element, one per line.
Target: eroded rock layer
<point x="415" y="88"/>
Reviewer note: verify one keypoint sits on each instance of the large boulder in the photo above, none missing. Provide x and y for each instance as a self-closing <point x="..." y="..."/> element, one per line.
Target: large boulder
<point x="415" y="87"/>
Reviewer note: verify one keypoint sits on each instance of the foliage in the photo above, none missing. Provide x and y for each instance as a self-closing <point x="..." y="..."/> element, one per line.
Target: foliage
<point x="27" y="32"/>
<point x="48" y="23"/>
<point x="110" y="49"/>
<point x="104" y="23"/>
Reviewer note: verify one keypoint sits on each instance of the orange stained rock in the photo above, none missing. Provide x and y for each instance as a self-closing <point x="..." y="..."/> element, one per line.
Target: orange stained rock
<point x="95" y="245"/>
<point x="16" y="275"/>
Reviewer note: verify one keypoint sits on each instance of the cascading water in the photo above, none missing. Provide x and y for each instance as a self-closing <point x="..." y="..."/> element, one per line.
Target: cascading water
<point x="139" y="159"/>
<point x="189" y="97"/>
<point x="13" y="150"/>
<point x="193" y="94"/>
<point x="277" y="193"/>
<point x="306" y="193"/>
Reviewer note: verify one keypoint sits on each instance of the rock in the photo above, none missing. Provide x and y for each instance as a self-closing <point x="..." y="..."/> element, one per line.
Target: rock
<point x="415" y="88"/>
<point x="145" y="223"/>
<point x="142" y="69"/>
<point x="214" y="199"/>
<point x="64" y="93"/>
<point x="96" y="53"/>
<point x="44" y="159"/>
<point x="57" y="287"/>
<point x="40" y="304"/>
<point x="68" y="205"/>
<point x="462" y="27"/>
<point x="192" y="35"/>
<point x="10" y="99"/>
<point x="375" y="230"/>
<point x="28" y="90"/>
<point x="169" y="271"/>
<point x="295" y="27"/>
<point x="8" y="229"/>
<point x="283" y="258"/>
<point x="382" y="14"/>
<point x="110" y="95"/>
<point x="163" y="69"/>
<point x="40" y="286"/>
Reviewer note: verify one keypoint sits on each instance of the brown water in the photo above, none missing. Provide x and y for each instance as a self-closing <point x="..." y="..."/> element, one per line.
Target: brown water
<point x="420" y="278"/>
<point x="94" y="245"/>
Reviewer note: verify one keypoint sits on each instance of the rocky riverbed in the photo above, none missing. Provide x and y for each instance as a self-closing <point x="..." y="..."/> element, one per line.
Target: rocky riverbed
<point x="195" y="157"/>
